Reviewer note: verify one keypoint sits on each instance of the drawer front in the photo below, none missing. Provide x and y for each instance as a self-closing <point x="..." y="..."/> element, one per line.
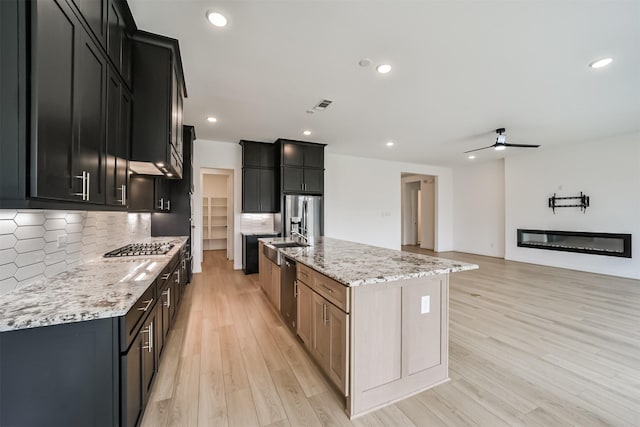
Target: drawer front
<point x="333" y="291"/>
<point x="131" y="321"/>
<point x="305" y="274"/>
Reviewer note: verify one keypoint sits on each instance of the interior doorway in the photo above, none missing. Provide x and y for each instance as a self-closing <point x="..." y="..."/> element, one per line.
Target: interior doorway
<point x="419" y="210"/>
<point x="217" y="210"/>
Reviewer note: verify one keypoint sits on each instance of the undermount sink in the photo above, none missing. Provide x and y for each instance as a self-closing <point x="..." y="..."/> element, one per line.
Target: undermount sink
<point x="271" y="250"/>
<point x="289" y="245"/>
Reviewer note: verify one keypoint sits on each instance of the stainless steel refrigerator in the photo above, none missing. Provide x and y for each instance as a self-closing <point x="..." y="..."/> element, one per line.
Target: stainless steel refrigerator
<point x="303" y="214"/>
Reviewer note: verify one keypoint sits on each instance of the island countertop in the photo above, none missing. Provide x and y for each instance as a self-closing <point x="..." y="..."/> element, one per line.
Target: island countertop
<point x="357" y="264"/>
<point x="98" y="289"/>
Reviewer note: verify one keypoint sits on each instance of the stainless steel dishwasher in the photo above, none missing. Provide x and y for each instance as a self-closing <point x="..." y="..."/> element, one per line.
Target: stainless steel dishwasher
<point x="288" y="293"/>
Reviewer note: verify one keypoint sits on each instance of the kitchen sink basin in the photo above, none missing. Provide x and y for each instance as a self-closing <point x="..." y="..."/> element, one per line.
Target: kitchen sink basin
<point x="271" y="250"/>
<point x="289" y="245"/>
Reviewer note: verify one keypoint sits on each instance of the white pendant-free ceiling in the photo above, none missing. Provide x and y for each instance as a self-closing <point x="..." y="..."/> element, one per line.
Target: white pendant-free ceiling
<point x="460" y="70"/>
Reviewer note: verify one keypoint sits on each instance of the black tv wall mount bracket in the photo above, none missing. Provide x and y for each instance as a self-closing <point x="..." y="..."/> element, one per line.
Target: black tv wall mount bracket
<point x="583" y="203"/>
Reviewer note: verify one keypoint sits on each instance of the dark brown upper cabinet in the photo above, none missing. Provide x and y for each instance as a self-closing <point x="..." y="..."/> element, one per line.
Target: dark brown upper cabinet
<point x="259" y="154"/>
<point x="302" y="169"/>
<point x="302" y="154"/>
<point x="63" y="121"/>
<point x="259" y="177"/>
<point x="157" y="112"/>
<point x="69" y="90"/>
<point x="119" y="104"/>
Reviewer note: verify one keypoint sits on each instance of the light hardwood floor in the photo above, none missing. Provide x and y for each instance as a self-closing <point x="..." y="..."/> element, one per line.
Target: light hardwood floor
<point x="529" y="345"/>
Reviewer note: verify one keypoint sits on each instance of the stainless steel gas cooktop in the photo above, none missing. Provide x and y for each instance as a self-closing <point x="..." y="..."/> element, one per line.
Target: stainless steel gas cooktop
<point x="141" y="249"/>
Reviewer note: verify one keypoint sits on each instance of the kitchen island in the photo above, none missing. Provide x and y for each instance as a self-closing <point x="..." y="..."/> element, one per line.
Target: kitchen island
<point x="374" y="319"/>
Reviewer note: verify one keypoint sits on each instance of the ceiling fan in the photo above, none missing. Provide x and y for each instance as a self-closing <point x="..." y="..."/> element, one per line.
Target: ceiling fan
<point x="501" y="143"/>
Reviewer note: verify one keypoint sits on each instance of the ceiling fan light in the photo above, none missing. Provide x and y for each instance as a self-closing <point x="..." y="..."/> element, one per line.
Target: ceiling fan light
<point x="500" y="147"/>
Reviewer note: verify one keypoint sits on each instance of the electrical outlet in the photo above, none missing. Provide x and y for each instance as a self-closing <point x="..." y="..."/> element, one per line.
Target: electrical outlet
<point x="425" y="305"/>
<point x="62" y="240"/>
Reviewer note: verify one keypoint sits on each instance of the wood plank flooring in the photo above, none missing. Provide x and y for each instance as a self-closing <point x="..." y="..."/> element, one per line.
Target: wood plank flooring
<point x="529" y="346"/>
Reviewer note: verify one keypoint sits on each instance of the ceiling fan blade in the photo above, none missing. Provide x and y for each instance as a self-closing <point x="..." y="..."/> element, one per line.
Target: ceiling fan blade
<point x="521" y="145"/>
<point x="478" y="149"/>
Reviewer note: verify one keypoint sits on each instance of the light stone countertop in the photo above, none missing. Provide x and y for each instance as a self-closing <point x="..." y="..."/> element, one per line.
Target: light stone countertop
<point x="102" y="288"/>
<point x="356" y="264"/>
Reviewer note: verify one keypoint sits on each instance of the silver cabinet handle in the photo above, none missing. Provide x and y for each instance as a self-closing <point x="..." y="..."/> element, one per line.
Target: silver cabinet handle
<point x="148" y="304"/>
<point x="177" y="273"/>
<point x="123" y="192"/>
<point x="324" y="314"/>
<point x="88" y="185"/>
<point x="161" y="203"/>
<point x="149" y="331"/>
<point x="168" y="205"/>
<point x="165" y="276"/>
<point x="295" y="289"/>
<point x="85" y="186"/>
<point x="168" y="294"/>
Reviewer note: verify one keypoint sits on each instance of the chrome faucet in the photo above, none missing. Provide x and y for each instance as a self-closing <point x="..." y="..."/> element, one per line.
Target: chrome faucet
<point x="300" y="236"/>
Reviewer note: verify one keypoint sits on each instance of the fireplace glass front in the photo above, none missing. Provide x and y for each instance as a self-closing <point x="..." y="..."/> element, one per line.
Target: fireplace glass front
<point x="609" y="244"/>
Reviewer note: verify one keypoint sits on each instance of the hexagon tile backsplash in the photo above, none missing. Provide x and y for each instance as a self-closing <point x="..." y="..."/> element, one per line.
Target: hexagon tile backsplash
<point x="35" y="244"/>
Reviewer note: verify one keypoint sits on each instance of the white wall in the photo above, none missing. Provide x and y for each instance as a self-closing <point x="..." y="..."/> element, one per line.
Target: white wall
<point x="216" y="155"/>
<point x="607" y="171"/>
<point x="478" y="208"/>
<point x="363" y="200"/>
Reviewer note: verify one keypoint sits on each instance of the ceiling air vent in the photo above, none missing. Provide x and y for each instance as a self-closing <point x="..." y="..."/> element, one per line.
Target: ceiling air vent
<point x="322" y="105"/>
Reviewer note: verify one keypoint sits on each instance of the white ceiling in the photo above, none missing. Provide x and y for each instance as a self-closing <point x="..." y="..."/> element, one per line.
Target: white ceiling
<point x="461" y="69"/>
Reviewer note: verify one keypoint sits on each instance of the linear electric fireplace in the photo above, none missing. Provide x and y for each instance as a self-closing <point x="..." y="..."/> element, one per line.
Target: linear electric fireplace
<point x="609" y="244"/>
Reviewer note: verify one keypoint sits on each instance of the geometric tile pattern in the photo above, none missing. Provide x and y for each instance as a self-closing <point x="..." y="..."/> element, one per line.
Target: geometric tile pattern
<point x="35" y="244"/>
<point x="256" y="223"/>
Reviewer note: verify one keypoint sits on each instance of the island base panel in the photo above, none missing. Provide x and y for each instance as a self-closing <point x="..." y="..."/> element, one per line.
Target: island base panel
<point x="399" y="341"/>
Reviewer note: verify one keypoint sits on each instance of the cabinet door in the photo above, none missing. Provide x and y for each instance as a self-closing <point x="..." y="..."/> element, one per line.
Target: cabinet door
<point x="113" y="138"/>
<point x="116" y="34"/>
<point x="262" y="265"/>
<point x="148" y="359"/>
<point x="314" y="156"/>
<point x="292" y="180"/>
<point x="275" y="286"/>
<point x="131" y="377"/>
<point x="337" y="362"/>
<point x="94" y="13"/>
<point x="90" y="111"/>
<point x="55" y="47"/>
<point x="305" y="314"/>
<point x="292" y="154"/>
<point x="267" y="194"/>
<point x="320" y="341"/>
<point x="314" y="181"/>
<point x="122" y="146"/>
<point x="250" y="190"/>
<point x="162" y="195"/>
<point x="141" y="193"/>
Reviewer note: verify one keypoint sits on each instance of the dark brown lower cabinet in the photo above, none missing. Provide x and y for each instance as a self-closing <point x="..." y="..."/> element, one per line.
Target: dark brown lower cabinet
<point x="91" y="373"/>
<point x="62" y="375"/>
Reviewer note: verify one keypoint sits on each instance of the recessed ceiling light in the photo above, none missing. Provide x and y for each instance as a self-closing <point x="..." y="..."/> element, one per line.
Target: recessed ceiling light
<point x="472" y="157"/>
<point x="217" y="19"/>
<point x="500" y="147"/>
<point x="307" y="132"/>
<point x="390" y="144"/>
<point x="383" y="69"/>
<point x="212" y="119"/>
<point x="601" y="63"/>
